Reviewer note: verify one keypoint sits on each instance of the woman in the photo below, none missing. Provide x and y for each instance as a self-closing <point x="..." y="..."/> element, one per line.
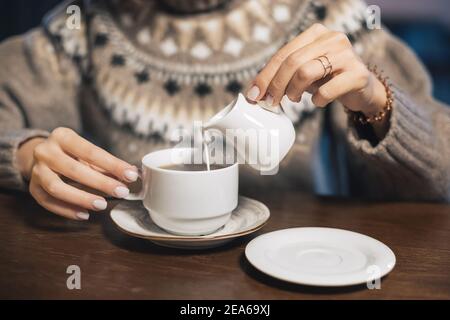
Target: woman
<point x="133" y="72"/>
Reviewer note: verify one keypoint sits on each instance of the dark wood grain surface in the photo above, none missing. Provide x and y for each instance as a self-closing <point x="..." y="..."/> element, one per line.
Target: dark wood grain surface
<point x="37" y="247"/>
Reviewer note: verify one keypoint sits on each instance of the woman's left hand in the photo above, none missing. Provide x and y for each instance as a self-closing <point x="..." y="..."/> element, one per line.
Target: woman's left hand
<point x="295" y="69"/>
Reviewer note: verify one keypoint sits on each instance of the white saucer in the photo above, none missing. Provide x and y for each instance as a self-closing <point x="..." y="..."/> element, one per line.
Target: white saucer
<point x="132" y="218"/>
<point x="320" y="256"/>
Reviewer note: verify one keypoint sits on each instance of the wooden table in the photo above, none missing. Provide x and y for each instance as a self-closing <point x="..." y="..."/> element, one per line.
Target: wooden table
<point x="36" y="248"/>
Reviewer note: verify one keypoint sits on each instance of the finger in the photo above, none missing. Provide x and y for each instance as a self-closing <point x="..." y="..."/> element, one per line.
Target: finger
<point x="312" y="72"/>
<point x="65" y="165"/>
<point x="312" y="89"/>
<point x="56" y="188"/>
<point x="57" y="206"/>
<point x="277" y="87"/>
<point x="79" y="147"/>
<point x="98" y="169"/>
<point x="262" y="80"/>
<point x="327" y="44"/>
<point x="335" y="88"/>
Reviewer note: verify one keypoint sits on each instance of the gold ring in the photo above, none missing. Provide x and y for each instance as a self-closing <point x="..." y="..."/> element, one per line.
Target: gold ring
<point x="327" y="66"/>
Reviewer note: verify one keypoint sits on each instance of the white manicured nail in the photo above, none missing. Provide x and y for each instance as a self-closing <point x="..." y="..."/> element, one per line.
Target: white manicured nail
<point x="253" y="93"/>
<point x="83" y="215"/>
<point x="131" y="175"/>
<point x="269" y="100"/>
<point x="121" y="192"/>
<point x="99" y="204"/>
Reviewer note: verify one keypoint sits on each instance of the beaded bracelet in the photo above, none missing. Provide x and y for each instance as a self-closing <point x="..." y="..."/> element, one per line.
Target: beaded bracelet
<point x="363" y="119"/>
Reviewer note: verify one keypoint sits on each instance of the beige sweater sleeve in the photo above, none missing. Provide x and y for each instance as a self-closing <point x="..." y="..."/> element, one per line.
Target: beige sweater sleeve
<point x="412" y="162"/>
<point x="35" y="85"/>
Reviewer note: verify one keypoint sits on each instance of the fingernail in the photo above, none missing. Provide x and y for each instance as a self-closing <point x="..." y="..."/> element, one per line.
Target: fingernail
<point x="253" y="93"/>
<point x="131" y="175"/>
<point x="99" y="204"/>
<point x="121" y="192"/>
<point x="269" y="100"/>
<point x="83" y="215"/>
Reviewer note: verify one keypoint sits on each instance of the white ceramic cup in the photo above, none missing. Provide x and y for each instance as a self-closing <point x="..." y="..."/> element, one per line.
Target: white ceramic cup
<point x="187" y="202"/>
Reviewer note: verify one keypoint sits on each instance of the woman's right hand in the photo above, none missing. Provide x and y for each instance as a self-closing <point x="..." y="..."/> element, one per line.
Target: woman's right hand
<point x="65" y="154"/>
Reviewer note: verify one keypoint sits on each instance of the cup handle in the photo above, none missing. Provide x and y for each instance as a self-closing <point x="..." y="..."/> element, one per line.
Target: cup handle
<point x="141" y="193"/>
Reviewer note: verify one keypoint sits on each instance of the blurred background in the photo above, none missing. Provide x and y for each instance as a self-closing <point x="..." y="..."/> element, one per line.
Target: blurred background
<point x="424" y="25"/>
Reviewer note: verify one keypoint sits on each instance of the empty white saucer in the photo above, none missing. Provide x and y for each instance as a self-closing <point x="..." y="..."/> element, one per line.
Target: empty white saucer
<point x="132" y="218"/>
<point x="320" y="256"/>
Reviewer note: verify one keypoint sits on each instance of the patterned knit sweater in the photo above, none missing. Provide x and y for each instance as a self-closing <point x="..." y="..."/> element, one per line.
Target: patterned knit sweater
<point x="136" y="71"/>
